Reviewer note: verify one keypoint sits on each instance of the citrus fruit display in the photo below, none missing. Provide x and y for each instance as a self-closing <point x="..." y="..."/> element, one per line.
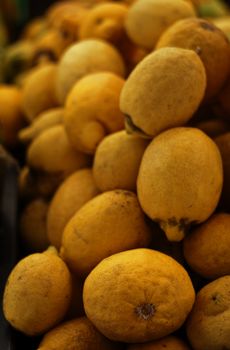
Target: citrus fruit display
<point x="118" y="116"/>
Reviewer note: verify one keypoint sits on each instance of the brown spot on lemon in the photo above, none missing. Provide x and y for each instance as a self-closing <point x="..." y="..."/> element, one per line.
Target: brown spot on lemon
<point x="208" y="26"/>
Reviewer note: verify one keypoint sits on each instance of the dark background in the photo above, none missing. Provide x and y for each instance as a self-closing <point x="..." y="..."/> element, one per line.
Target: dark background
<point x="29" y="10"/>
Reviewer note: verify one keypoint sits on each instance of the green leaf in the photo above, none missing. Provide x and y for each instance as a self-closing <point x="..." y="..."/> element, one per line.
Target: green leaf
<point x="213" y="8"/>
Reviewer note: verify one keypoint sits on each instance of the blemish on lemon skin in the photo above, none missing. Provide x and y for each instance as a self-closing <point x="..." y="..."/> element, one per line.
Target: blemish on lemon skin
<point x="125" y="192"/>
<point x="132" y="128"/>
<point x="208" y="26"/>
<point x="45" y="53"/>
<point x="183" y="224"/>
<point x="216" y="298"/>
<point x="145" y="311"/>
<point x="99" y="21"/>
<point x="198" y="50"/>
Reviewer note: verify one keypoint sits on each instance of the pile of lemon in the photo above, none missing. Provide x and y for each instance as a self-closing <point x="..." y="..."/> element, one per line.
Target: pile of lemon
<point x="123" y="109"/>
